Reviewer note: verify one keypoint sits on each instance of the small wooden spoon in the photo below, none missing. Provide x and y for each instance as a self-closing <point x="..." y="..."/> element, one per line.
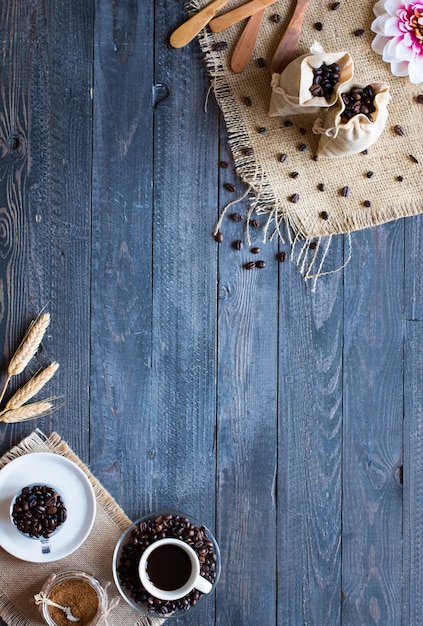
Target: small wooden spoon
<point x="288" y="46"/>
<point x="246" y="43"/>
<point x="236" y="15"/>
<point x="189" y="29"/>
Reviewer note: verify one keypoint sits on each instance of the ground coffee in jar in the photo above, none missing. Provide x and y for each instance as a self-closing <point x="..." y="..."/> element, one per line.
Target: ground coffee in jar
<point x="79" y="596"/>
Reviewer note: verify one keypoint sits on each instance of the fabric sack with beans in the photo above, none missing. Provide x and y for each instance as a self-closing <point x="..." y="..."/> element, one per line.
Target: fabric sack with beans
<point x="291" y="90"/>
<point x="341" y="136"/>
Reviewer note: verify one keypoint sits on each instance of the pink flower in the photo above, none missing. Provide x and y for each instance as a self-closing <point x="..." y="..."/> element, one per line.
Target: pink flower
<point x="399" y="36"/>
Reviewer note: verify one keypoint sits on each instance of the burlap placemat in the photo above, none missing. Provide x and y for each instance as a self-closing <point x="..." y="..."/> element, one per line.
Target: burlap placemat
<point x="19" y="580"/>
<point x="244" y="99"/>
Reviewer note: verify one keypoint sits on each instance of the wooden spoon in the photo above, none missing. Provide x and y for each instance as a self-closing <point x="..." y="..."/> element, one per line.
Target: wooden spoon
<point x="246" y="43"/>
<point x="189" y="29"/>
<point x="288" y="46"/>
<point x="236" y="15"/>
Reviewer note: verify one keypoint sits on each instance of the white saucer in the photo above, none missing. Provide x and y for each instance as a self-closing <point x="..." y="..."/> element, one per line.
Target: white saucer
<point x="78" y="496"/>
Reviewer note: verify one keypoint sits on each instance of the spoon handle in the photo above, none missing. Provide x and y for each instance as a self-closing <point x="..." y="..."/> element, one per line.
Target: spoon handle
<point x="236" y="15"/>
<point x="246" y="43"/>
<point x="189" y="29"/>
<point x="287" y="49"/>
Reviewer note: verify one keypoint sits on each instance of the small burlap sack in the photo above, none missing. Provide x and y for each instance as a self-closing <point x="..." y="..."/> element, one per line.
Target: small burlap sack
<point x="396" y="188"/>
<point x="291" y="89"/>
<point x="339" y="138"/>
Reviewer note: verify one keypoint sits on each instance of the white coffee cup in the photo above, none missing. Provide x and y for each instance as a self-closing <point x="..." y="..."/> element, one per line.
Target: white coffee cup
<point x="167" y="569"/>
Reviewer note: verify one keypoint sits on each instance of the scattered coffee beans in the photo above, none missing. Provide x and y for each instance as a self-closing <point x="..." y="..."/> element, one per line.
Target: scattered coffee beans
<point x="255" y="250"/>
<point x="254" y="223"/>
<point x="276" y="18"/>
<point x="229" y="187"/>
<point x="345" y="191"/>
<point x="247" y="101"/>
<point x="260" y="264"/>
<point x="313" y="245"/>
<point x="324" y="215"/>
<point x="261" y="62"/>
<point x="295" y="198"/>
<point x="224" y="164"/>
<point x="358" y="100"/>
<point x="399" y="130"/>
<point x="145" y="534"/>
<point x="318" y="26"/>
<point x="38" y="511"/>
<point x="248" y="151"/>
<point x="250" y="265"/>
<point x="367" y="203"/>
<point x="262" y="130"/>
<point x="294" y="174"/>
<point x="220" y="45"/>
<point x="359" y="32"/>
<point x="281" y="257"/>
<point x="237" y="245"/>
<point x="219" y="237"/>
<point x="400" y="179"/>
<point x="325" y="78"/>
<point x="335" y="6"/>
<point x="288" y="123"/>
<point x="413" y="158"/>
<point x="302" y="147"/>
<point x="420" y="98"/>
<point x="321" y="187"/>
<point x="237" y="217"/>
<point x="283" y="158"/>
<point x="370" y="174"/>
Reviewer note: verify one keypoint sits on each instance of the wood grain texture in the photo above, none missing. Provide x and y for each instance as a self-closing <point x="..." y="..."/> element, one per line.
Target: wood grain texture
<point x="413" y="261"/>
<point x="310" y="447"/>
<point x="372" y="437"/>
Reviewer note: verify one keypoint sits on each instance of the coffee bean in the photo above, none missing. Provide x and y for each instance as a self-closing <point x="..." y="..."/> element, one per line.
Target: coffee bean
<point x="312" y="245"/>
<point x="33" y="516"/>
<point x="247" y="101"/>
<point x="294" y="174"/>
<point x="302" y="131"/>
<point x="295" y="198"/>
<point x="302" y="147"/>
<point x="335" y="6"/>
<point x="318" y="26"/>
<point x="260" y="264"/>
<point x="224" y="164"/>
<point x="283" y="158"/>
<point x="261" y="62"/>
<point x="399" y="130"/>
<point x="219" y="45"/>
<point x="255" y="250"/>
<point x="237" y="217"/>
<point x="400" y="179"/>
<point x="237" y="244"/>
<point x="229" y="187"/>
<point x="324" y="215"/>
<point x="288" y="123"/>
<point x="370" y="174"/>
<point x="281" y="257"/>
<point x="316" y="157"/>
<point x="254" y="223"/>
<point x="262" y="130"/>
<point x="367" y="203"/>
<point x="358" y="100"/>
<point x="413" y="158"/>
<point x="420" y="98"/>
<point x="321" y="187"/>
<point x="276" y="18"/>
<point x="248" y="151"/>
<point x="359" y="32"/>
<point x="365" y="152"/>
<point x="325" y="78"/>
<point x="250" y="265"/>
<point x="218" y="237"/>
<point x="345" y="191"/>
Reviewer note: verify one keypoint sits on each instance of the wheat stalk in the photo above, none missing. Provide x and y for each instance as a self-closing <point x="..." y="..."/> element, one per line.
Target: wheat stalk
<point x="31" y="388"/>
<point x="27" y="412"/>
<point x="27" y="348"/>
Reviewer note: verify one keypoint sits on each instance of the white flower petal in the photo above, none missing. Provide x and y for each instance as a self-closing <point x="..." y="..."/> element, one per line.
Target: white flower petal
<point x="399" y="69"/>
<point x="392" y="6"/>
<point x="403" y="51"/>
<point x="390" y="27"/>
<point x="378" y="25"/>
<point x="379" y="43"/>
<point x="390" y="52"/>
<point x="415" y="69"/>
<point x="379" y="8"/>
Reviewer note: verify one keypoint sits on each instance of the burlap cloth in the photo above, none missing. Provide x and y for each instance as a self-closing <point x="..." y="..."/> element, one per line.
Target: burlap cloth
<point x="271" y="182"/>
<point x="19" y="580"/>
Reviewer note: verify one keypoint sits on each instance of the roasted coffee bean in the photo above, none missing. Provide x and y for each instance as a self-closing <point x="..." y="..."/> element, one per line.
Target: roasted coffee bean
<point x="254" y="223"/>
<point x="367" y="203"/>
<point x="249" y="266"/>
<point x="229" y="187"/>
<point x="335" y="6"/>
<point x="321" y="187"/>
<point x="324" y="215"/>
<point x="295" y="198"/>
<point x="420" y="98"/>
<point x="302" y="131"/>
<point x="365" y="152"/>
<point x="288" y="123"/>
<point x="358" y="100"/>
<point x="248" y="151"/>
<point x="237" y="217"/>
<point x="359" y="32"/>
<point x="247" y="101"/>
<point x="34" y="514"/>
<point x="400" y="179"/>
<point x="283" y="158"/>
<point x="294" y="174"/>
<point x="302" y="147"/>
<point x="255" y="250"/>
<point x="316" y="157"/>
<point x="312" y="245"/>
<point x="260" y="264"/>
<point x="413" y="158"/>
<point x="224" y="164"/>
<point x="399" y="130"/>
<point x="237" y="245"/>
<point x="218" y="237"/>
<point x="261" y="62"/>
<point x="325" y="78"/>
<point x="276" y="18"/>
<point x="262" y="130"/>
<point x="318" y="26"/>
<point x="220" y="45"/>
<point x="281" y="257"/>
<point x="345" y="191"/>
<point x="370" y="174"/>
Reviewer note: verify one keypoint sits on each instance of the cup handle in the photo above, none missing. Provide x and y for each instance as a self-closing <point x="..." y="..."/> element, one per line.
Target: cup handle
<point x="203" y="585"/>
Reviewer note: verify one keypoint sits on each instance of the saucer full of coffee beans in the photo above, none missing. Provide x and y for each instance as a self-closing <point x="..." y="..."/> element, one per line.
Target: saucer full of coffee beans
<point x="142" y="534"/>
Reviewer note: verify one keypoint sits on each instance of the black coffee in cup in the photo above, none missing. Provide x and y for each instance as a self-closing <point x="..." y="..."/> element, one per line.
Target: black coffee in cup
<point x="169" y="567"/>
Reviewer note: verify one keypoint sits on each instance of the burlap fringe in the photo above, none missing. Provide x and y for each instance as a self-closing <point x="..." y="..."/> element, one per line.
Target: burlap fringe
<point x="259" y="192"/>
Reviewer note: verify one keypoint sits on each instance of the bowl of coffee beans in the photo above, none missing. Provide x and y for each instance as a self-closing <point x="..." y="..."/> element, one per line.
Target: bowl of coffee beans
<point x="38" y="511"/>
<point x="168" y="566"/>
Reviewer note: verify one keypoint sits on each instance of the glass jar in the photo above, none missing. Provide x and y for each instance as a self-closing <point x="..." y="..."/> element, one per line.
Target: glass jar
<point x="79" y="591"/>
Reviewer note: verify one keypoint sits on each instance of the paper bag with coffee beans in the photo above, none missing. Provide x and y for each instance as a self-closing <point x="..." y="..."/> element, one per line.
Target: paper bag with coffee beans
<point x="355" y="122"/>
<point x="310" y="82"/>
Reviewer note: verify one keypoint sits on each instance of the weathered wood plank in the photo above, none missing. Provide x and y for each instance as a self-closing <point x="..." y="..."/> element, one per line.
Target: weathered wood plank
<point x="413" y="475"/>
<point x="45" y="137"/>
<point x="247" y="418"/>
<point x="310" y="446"/>
<point x="413" y="259"/>
<point x="373" y="414"/>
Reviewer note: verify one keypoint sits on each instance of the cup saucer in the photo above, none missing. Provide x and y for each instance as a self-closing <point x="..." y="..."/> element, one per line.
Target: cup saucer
<point x="78" y="494"/>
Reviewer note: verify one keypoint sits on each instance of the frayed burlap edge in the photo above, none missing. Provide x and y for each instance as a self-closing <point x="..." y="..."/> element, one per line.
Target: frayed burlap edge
<point x="54" y="443"/>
